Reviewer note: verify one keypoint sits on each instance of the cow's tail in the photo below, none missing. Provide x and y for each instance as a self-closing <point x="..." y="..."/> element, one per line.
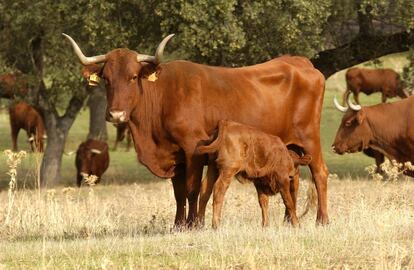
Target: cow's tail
<point x="345" y="96"/>
<point x="215" y="141"/>
<point x="311" y="199"/>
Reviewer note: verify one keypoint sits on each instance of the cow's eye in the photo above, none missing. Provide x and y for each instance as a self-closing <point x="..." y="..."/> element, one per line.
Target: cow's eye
<point x="134" y="77"/>
<point x="348" y="123"/>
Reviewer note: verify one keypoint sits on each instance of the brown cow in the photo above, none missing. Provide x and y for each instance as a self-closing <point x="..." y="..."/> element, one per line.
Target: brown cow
<point x="24" y="116"/>
<point x="386" y="128"/>
<point x="12" y="84"/>
<point x="122" y="132"/>
<point x="368" y="81"/>
<point x="246" y="152"/>
<point x="92" y="158"/>
<point x="172" y="107"/>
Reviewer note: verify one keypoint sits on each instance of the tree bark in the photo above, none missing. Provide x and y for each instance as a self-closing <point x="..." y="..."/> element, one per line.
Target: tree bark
<point x="97" y="110"/>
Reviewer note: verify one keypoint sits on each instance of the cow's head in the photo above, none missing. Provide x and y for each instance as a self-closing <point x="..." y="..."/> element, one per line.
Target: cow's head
<point x="354" y="133"/>
<point x="89" y="155"/>
<point x="121" y="71"/>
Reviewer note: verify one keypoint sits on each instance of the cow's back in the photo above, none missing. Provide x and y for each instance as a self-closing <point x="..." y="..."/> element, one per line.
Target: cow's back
<point x="266" y="96"/>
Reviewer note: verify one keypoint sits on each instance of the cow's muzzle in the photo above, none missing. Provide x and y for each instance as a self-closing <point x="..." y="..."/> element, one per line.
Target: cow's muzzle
<point x="117" y="116"/>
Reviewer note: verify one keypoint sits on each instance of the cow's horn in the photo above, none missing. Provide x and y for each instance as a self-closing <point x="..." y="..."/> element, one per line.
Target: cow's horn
<point x="339" y="106"/>
<point x="158" y="53"/>
<point x="83" y="59"/>
<point x="354" y="107"/>
<point x="96" y="151"/>
<point x="160" y="50"/>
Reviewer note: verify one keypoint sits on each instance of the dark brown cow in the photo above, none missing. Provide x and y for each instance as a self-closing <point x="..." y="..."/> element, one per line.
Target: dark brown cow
<point x="122" y="132"/>
<point x="246" y="152"/>
<point x="12" y="84"/>
<point x="172" y="107"/>
<point x="368" y="81"/>
<point x="24" y="116"/>
<point x="92" y="158"/>
<point x="385" y="128"/>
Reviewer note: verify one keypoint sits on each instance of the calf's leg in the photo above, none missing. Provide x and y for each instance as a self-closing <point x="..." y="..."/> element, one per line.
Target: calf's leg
<point x="294" y="189"/>
<point x="220" y="188"/>
<point x="205" y="192"/>
<point x="288" y="201"/>
<point x="264" y="205"/>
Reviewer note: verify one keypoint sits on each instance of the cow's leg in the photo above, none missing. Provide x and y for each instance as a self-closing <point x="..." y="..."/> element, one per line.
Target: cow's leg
<point x="220" y="188"/>
<point x="178" y="182"/>
<point x="115" y="145"/>
<point x="294" y="189"/>
<point x="379" y="159"/>
<point x="79" y="179"/>
<point x="128" y="138"/>
<point x="383" y="97"/>
<point x="320" y="177"/>
<point x="205" y="192"/>
<point x="264" y="205"/>
<point x="194" y="173"/>
<point x="356" y="97"/>
<point x="288" y="201"/>
<point x="14" y="134"/>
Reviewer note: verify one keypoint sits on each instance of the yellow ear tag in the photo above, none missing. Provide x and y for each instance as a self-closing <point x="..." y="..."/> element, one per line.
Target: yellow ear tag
<point x="153" y="77"/>
<point x="93" y="79"/>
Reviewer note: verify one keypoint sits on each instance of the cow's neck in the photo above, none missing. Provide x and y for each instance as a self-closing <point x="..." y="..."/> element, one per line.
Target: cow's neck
<point x="386" y="133"/>
<point x="148" y="134"/>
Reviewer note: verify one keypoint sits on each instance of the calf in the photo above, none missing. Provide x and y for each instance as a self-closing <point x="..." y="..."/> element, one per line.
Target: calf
<point x="92" y="158"/>
<point x="368" y="81"/>
<point x="24" y="116"/>
<point x="122" y="132"/>
<point x="261" y="158"/>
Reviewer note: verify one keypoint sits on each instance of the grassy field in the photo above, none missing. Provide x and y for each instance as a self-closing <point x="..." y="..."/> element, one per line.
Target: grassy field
<point x="126" y="222"/>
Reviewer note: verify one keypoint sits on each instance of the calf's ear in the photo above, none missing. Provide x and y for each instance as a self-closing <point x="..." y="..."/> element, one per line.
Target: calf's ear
<point x="361" y="116"/>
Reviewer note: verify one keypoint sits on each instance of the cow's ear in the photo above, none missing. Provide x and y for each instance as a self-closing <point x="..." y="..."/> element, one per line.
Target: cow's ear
<point x="92" y="73"/>
<point x="361" y="116"/>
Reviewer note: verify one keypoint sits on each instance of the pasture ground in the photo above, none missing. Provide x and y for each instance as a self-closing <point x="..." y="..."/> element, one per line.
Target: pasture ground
<point x="126" y="222"/>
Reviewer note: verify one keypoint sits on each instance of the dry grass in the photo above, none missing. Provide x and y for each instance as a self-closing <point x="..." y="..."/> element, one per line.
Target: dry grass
<point x="112" y="227"/>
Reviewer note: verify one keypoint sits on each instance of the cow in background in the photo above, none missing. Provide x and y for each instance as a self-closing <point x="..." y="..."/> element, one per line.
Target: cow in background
<point x="261" y="158"/>
<point x="386" y="128"/>
<point x="12" y="84"/>
<point x="24" y="116"/>
<point x="122" y="132"/>
<point x="368" y="81"/>
<point x="92" y="158"/>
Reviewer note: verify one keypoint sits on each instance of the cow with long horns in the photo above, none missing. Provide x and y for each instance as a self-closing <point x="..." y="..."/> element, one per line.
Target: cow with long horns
<point x="172" y="107"/>
<point x="385" y="128"/>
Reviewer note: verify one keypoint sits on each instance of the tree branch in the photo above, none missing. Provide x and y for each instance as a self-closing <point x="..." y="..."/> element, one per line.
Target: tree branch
<point x="361" y="49"/>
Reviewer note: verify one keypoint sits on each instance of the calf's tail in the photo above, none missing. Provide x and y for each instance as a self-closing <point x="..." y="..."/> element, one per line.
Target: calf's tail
<point x="311" y="199"/>
<point x="214" y="145"/>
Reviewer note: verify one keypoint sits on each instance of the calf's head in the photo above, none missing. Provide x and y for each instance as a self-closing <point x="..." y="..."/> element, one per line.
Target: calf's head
<point x="354" y="133"/>
<point x="121" y="71"/>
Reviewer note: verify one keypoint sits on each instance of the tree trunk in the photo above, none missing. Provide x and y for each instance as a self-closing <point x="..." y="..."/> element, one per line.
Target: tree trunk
<point x="52" y="159"/>
<point x="97" y="109"/>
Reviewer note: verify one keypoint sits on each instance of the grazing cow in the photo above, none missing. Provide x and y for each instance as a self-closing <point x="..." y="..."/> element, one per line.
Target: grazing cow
<point x="368" y="81"/>
<point x="246" y="152"/>
<point x="12" y="84"/>
<point x="385" y="128"/>
<point x="122" y="132"/>
<point x="172" y="107"/>
<point x="24" y="116"/>
<point x="92" y="158"/>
